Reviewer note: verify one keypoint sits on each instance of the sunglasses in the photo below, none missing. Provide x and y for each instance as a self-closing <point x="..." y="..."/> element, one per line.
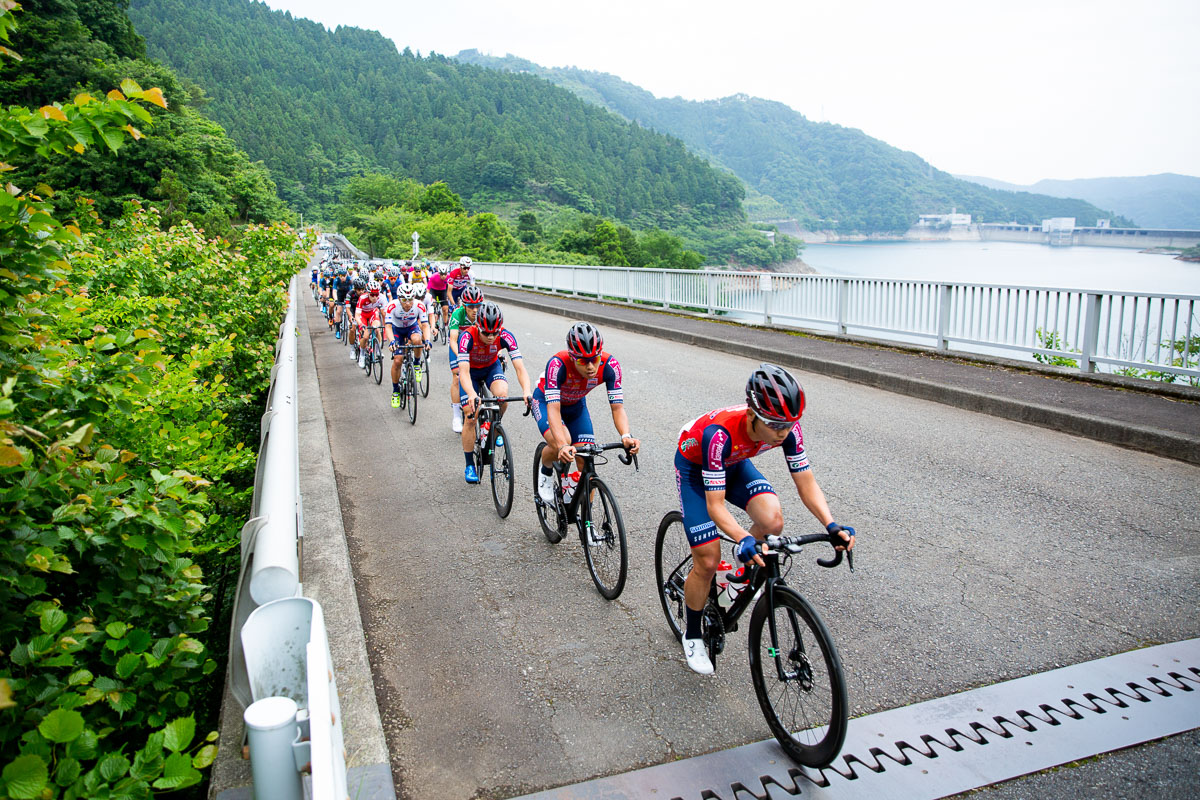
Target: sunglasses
<point x="772" y="424"/>
<point x="592" y="360"/>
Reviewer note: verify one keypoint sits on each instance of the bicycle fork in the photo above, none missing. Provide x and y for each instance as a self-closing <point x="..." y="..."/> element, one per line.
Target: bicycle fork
<point x="797" y="654"/>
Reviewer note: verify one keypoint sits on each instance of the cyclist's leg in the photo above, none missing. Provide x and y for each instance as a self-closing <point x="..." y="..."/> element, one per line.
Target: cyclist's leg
<point x="416" y="339"/>
<point x="397" y="358"/>
<point x="476" y="376"/>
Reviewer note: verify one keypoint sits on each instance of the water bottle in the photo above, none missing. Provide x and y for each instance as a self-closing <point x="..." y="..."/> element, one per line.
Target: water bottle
<point x="732" y="589"/>
<point x="483" y="431"/>
<point x="569" y="482"/>
<point x="722" y="579"/>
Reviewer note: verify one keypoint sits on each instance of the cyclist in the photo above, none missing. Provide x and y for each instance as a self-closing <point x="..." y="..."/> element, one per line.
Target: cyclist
<point x="314" y="274"/>
<point x="358" y="288"/>
<point x="560" y="401"/>
<point x="460" y="278"/>
<point x="712" y="465"/>
<point x="479" y="347"/>
<point x="409" y="324"/>
<point x="392" y="282"/>
<point x="463" y="317"/>
<point x="341" y="288"/>
<point x="367" y="316"/>
<point x="437" y="287"/>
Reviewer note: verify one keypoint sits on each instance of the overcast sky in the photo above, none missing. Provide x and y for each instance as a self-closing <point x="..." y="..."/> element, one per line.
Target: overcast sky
<point x="1018" y="90"/>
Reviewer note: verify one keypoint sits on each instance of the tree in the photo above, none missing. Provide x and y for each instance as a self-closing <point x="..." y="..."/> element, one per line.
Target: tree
<point x="438" y="198"/>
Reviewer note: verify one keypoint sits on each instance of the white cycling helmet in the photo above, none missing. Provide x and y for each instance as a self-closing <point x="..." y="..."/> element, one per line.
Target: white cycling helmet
<point x="405" y="291"/>
<point x="443" y="269"/>
<point x="465" y="261"/>
<point x="373" y="286"/>
<point x="418" y="289"/>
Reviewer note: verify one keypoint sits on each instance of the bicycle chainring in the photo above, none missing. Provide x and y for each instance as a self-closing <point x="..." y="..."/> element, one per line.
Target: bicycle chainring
<point x="713" y="629"/>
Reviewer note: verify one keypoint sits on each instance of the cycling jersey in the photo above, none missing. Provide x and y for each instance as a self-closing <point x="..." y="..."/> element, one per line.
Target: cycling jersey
<point x="483" y="355"/>
<point x="367" y="307"/>
<point x="399" y="318"/>
<point x="437" y="282"/>
<point x="342" y="287"/>
<point x="718" y="440"/>
<point x="390" y="285"/>
<point x="562" y="383"/>
<point x="459" y="279"/>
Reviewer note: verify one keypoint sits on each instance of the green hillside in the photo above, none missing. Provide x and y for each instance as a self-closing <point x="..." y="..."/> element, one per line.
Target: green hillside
<point x="319" y="106"/>
<point x="825" y="175"/>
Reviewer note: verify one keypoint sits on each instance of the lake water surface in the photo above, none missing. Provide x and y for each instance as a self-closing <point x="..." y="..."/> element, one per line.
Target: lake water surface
<point x="1009" y="263"/>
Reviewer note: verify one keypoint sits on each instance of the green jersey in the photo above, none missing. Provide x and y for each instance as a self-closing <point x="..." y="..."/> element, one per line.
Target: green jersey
<point x="458" y="320"/>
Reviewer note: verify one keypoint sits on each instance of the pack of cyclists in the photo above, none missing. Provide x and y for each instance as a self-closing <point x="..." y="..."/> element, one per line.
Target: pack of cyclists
<point x="713" y="467"/>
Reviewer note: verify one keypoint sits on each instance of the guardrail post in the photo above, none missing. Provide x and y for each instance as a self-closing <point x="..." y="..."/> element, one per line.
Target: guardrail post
<point x="843" y="303"/>
<point x="629" y="285"/>
<point x="271" y="728"/>
<point x="574" y="281"/>
<point x="708" y="291"/>
<point x="943" y="327"/>
<point x="1091" y="332"/>
<point x="666" y="290"/>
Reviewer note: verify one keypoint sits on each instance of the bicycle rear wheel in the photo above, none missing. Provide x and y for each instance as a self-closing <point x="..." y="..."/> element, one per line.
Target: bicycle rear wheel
<point x="376" y="363"/>
<point x="799" y="684"/>
<point x="672" y="563"/>
<point x="425" y="370"/>
<point x="554" y="527"/>
<point x="501" y="471"/>
<point x="602" y="532"/>
<point x="410" y="389"/>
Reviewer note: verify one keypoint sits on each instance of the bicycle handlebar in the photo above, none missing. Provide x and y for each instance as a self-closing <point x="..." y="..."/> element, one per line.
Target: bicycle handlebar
<point x="792" y="544"/>
<point x="592" y="449"/>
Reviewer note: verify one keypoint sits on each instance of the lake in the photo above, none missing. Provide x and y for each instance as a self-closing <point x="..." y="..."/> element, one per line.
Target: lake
<point x="1009" y="263"/>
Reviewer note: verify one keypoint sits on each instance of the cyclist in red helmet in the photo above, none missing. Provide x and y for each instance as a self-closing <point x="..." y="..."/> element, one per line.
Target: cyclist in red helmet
<point x="479" y="349"/>
<point x="712" y="465"/>
<point x="560" y="405"/>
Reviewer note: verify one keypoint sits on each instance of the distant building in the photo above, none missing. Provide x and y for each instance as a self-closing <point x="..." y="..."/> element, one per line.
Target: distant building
<point x="1103" y="223"/>
<point x="951" y="220"/>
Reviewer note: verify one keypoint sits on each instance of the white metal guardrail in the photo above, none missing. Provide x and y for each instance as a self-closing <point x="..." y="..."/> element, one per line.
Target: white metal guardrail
<point x="1140" y="334"/>
<point x="280" y="666"/>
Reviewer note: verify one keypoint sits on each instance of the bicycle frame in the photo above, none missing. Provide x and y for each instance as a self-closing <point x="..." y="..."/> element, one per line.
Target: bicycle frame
<point x="586" y="473"/>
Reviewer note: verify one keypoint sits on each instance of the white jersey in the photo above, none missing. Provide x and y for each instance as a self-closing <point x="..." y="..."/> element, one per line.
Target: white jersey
<point x="397" y="316"/>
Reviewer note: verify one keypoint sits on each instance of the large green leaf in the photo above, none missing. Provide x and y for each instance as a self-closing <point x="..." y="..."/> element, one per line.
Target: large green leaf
<point x="62" y="726"/>
<point x="113" y="766"/>
<point x="179" y="733"/>
<point x="177" y="773"/>
<point x="26" y="777"/>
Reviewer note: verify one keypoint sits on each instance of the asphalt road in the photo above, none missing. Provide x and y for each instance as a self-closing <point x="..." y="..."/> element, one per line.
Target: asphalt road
<point x="988" y="550"/>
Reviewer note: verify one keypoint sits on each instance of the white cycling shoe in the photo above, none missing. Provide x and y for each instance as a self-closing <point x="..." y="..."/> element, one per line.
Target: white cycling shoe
<point x="696" y="656"/>
<point x="546" y="487"/>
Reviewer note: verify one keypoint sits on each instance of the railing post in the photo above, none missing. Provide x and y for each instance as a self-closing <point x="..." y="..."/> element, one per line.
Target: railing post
<point x="666" y="288"/>
<point x="764" y="288"/>
<point x="843" y="303"/>
<point x="708" y="291"/>
<point x="629" y="285"/>
<point x="1091" y="332"/>
<point x="574" y="281"/>
<point x="943" y="328"/>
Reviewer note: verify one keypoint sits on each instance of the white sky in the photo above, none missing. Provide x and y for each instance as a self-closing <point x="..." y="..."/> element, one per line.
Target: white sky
<point x="1018" y="90"/>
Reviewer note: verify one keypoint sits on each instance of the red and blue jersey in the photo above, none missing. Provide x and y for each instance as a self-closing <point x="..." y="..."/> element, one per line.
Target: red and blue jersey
<point x="563" y="384"/>
<point x="718" y="439"/>
<point x="459" y="279"/>
<point x="483" y="354"/>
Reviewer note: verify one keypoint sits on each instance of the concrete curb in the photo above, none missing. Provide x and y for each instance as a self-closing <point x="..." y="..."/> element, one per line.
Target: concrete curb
<point x="328" y="578"/>
<point x="1168" y="444"/>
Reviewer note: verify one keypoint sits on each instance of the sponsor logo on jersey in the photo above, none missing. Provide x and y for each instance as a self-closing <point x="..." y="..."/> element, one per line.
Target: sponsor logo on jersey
<point x="688" y="444"/>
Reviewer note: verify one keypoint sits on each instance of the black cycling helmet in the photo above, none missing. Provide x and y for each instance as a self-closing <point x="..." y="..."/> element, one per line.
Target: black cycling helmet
<point x="471" y="296"/>
<point x="490" y="320"/>
<point x="360" y="284"/>
<point x="773" y="394"/>
<point x="584" y="341"/>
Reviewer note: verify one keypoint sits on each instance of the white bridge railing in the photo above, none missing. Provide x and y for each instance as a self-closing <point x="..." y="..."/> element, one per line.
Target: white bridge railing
<point x="1134" y="333"/>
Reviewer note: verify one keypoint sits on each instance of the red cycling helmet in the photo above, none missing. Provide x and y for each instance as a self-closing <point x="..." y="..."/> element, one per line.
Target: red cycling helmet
<point x="773" y="394"/>
<point x="490" y="320"/>
<point x="584" y="341"/>
<point x="471" y="296"/>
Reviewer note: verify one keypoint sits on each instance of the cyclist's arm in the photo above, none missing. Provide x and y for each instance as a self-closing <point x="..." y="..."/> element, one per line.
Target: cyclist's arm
<point x="812" y="496"/>
<point x="621" y="421"/>
<point x="558" y="430"/>
<point x="522" y="376"/>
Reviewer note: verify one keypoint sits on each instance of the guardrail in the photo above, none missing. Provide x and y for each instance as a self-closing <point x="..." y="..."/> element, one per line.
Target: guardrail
<point x="1140" y="334"/>
<point x="279" y="665"/>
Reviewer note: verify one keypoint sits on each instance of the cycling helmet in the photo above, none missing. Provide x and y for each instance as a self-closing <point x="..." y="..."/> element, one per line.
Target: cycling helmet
<point x="341" y="270"/>
<point x="419" y="290"/>
<point x="465" y="261"/>
<point x="584" y="341"/>
<point x="393" y="271"/>
<point x="405" y="291"/>
<point x="490" y="320"/>
<point x="373" y="287"/>
<point x="773" y="394"/>
<point x="443" y="269"/>
<point x="471" y="296"/>
<point x="360" y="284"/>
<point x="377" y="276"/>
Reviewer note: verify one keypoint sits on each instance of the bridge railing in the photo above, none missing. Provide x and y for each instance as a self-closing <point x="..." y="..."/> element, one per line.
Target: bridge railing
<point x="1134" y="333"/>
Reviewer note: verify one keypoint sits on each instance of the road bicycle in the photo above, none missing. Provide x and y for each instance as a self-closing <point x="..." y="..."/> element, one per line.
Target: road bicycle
<point x="794" y="665"/>
<point x="593" y="510"/>
<point x="373" y="364"/>
<point x="345" y="324"/>
<point x="408" y="379"/>
<point x="494" y="450"/>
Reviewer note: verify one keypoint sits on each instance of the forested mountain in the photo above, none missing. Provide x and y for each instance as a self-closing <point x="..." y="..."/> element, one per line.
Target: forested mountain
<point x="1152" y="201"/>
<point x="186" y="165"/>
<point x="827" y="176"/>
<point x="319" y="106"/>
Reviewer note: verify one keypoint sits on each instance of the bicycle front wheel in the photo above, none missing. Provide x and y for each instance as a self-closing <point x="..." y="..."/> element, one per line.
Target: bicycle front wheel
<point x="672" y="563"/>
<point x="798" y="679"/>
<point x="553" y="526"/>
<point x="501" y="471"/>
<point x="410" y="389"/>
<point x="425" y="370"/>
<point x="603" y="534"/>
<point x="376" y="364"/>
